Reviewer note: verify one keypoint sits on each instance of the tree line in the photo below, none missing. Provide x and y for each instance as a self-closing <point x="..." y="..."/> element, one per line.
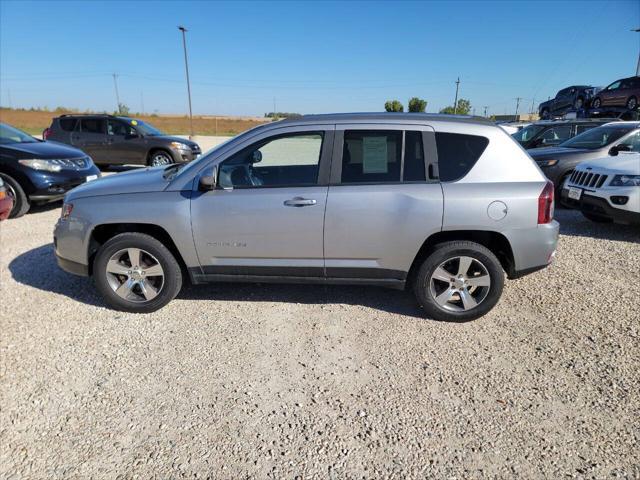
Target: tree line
<point x="417" y="105"/>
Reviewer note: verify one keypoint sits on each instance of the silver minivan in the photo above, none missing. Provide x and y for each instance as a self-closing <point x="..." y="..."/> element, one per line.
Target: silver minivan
<point x="443" y="205"/>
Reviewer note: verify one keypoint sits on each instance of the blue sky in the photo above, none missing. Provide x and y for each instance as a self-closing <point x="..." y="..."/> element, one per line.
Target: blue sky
<point x="312" y="57"/>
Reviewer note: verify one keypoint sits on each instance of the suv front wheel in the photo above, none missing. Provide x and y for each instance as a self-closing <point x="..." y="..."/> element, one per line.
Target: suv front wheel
<point x="136" y="273"/>
<point x="459" y="281"/>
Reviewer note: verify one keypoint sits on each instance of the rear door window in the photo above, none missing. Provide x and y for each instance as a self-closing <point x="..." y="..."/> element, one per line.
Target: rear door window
<point x="458" y="153"/>
<point x="557" y="134"/>
<point x="68" y="124"/>
<point x="376" y="156"/>
<point x="584" y="128"/>
<point x="93" y="125"/>
<point x="371" y="156"/>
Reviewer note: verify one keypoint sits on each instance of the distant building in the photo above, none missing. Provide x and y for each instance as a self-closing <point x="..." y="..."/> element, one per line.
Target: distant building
<point x="521" y="117"/>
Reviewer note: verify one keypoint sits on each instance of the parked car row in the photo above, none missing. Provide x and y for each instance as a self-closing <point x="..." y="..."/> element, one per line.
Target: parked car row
<point x="592" y="171"/>
<point x="621" y="94"/>
<point x="35" y="171"/>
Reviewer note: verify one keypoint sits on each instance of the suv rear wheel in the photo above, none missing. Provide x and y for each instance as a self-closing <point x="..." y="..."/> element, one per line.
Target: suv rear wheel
<point x="136" y="273"/>
<point x="21" y="203"/>
<point x="596" y="103"/>
<point x="632" y="103"/>
<point x="459" y="281"/>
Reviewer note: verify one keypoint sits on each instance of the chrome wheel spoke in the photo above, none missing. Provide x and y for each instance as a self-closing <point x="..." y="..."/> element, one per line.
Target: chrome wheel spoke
<point x="148" y="290"/>
<point x="134" y="256"/>
<point x="154" y="271"/>
<point x="124" y="290"/>
<point x="463" y="266"/>
<point x="442" y="275"/>
<point x="444" y="297"/>
<point x="481" y="281"/>
<point x="467" y="300"/>
<point x="117" y="268"/>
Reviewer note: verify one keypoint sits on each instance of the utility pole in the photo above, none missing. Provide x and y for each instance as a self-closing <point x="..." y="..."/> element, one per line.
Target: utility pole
<point x="637" y="30"/>
<point x="455" y="102"/>
<point x="485" y="111"/>
<point x="533" y="103"/>
<point x="115" y="84"/>
<point x="517" y="106"/>
<point x="186" y="67"/>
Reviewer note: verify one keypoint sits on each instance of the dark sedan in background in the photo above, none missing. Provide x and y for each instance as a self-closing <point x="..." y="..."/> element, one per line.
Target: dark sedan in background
<point x="557" y="163"/>
<point x="548" y="133"/>
<point x="34" y="171"/>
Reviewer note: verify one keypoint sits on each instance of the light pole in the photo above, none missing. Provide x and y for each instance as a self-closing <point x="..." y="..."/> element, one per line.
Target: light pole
<point x="186" y="66"/>
<point x="115" y="84"/>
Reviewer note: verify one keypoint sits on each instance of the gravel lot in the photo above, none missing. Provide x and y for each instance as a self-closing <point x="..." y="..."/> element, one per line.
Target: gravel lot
<point x="274" y="381"/>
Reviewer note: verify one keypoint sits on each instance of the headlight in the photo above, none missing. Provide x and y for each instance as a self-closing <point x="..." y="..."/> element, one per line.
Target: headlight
<point x="546" y="163"/>
<point x="38" y="164"/>
<point x="180" y="146"/>
<point x="625" y="181"/>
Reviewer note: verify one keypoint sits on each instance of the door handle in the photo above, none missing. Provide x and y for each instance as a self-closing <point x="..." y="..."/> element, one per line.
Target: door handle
<point x="299" y="202"/>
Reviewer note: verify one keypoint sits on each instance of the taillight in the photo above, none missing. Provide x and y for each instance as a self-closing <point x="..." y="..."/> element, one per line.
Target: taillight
<point x="545" y="204"/>
<point x="46" y="133"/>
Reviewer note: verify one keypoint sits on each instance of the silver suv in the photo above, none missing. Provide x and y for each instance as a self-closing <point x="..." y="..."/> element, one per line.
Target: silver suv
<point x="443" y="205"/>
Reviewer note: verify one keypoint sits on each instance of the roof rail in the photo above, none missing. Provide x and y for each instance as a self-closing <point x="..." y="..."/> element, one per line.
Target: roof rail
<point x="88" y="115"/>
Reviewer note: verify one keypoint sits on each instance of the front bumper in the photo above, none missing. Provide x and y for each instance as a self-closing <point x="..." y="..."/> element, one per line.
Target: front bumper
<point x="50" y="187"/>
<point x="596" y="205"/>
<point x="183" y="156"/>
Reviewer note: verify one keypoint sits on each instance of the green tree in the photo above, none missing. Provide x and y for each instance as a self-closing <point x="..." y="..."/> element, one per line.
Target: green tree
<point x="464" y="107"/>
<point x="393" y="106"/>
<point x="417" y="104"/>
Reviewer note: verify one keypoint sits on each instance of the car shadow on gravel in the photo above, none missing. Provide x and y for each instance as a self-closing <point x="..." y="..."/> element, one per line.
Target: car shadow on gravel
<point x="38" y="268"/>
<point x="385" y="299"/>
<point x="573" y="223"/>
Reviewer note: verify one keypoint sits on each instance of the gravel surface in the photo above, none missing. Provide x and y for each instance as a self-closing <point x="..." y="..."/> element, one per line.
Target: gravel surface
<point x="276" y="381"/>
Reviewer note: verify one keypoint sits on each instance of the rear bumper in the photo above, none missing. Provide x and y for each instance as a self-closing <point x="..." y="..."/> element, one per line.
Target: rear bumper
<point x="533" y="249"/>
<point x="72" y="267"/>
<point x="599" y="206"/>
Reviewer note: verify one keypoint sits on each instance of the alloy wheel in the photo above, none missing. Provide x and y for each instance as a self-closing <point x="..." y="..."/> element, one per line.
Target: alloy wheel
<point x="159" y="159"/>
<point x="460" y="284"/>
<point x="135" y="275"/>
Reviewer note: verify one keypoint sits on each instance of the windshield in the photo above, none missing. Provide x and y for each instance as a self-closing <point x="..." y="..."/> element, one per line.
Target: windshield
<point x="144" y="128"/>
<point x="9" y="134"/>
<point x="172" y="170"/>
<point x="597" y="137"/>
<point x="527" y="133"/>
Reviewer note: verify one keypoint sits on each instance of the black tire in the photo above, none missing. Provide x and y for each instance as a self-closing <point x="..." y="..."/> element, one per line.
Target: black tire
<point x="596" y="102"/>
<point x="159" y="157"/>
<point x="579" y="103"/>
<point x="558" y="188"/>
<point x="544" y="114"/>
<point x="632" y="103"/>
<point x="596" y="218"/>
<point x="172" y="280"/>
<point x="21" y="204"/>
<point x="441" y="254"/>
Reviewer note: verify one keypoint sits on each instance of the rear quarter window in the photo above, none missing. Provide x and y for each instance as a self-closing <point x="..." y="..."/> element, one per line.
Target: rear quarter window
<point x="68" y="124"/>
<point x="458" y="153"/>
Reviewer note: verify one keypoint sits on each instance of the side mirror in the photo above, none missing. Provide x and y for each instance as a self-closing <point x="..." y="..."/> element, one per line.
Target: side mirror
<point x="209" y="182"/>
<point x="256" y="156"/>
<point x="613" y="151"/>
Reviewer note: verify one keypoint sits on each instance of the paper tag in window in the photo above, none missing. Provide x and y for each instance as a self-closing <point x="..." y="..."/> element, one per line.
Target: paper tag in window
<point x="374" y="154"/>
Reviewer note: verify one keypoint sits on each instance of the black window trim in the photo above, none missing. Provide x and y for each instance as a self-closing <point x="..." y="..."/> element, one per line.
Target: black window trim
<point x="428" y="145"/>
<point x="324" y="160"/>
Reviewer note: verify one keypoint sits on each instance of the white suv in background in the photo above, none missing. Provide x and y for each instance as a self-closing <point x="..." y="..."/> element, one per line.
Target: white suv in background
<point x="606" y="190"/>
